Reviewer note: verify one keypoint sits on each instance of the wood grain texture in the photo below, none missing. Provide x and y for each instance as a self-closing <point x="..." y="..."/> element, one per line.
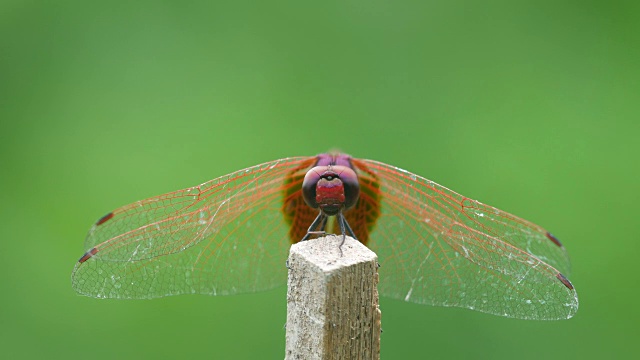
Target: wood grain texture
<point x="332" y="301"/>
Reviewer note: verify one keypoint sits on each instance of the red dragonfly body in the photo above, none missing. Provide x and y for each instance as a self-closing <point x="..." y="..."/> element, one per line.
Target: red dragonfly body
<point x="232" y="234"/>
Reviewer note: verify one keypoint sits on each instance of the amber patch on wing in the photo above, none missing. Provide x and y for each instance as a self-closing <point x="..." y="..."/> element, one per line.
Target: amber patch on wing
<point x="296" y="212"/>
<point x="363" y="216"/>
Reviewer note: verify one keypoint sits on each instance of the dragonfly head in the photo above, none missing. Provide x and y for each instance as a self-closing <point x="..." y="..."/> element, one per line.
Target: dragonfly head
<point x="331" y="188"/>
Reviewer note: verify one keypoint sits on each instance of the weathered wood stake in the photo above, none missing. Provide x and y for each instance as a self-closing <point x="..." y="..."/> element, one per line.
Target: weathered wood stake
<point x="332" y="301"/>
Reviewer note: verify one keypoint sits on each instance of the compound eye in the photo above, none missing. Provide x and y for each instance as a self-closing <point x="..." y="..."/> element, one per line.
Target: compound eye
<point x="309" y="185"/>
<point x="351" y="186"/>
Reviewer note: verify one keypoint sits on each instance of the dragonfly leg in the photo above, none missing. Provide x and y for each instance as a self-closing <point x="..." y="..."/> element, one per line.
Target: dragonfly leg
<point x="349" y="230"/>
<point x="322" y="220"/>
<point x="346" y="230"/>
<point x="324" y="224"/>
<point x="342" y="222"/>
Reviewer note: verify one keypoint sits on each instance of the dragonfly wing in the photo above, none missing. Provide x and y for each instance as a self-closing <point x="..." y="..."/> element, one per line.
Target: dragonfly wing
<point x="440" y="248"/>
<point x="225" y="236"/>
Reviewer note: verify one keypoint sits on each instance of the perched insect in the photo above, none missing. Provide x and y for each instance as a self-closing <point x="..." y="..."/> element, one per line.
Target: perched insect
<point x="232" y="234"/>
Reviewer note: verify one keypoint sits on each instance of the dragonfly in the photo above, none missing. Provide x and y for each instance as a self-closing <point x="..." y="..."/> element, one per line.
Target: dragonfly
<point x="232" y="234"/>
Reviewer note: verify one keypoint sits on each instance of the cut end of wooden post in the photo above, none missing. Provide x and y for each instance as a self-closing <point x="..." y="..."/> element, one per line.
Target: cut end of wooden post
<point x="332" y="300"/>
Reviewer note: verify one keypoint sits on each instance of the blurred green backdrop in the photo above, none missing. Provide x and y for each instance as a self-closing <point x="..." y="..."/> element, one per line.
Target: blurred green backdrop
<point x="530" y="106"/>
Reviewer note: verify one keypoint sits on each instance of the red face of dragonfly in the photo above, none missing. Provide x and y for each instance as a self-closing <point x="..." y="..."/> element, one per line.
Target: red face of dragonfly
<point x="330" y="188"/>
<point x="232" y="234"/>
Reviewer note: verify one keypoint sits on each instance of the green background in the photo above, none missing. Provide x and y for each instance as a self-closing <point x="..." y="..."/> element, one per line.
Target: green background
<point x="528" y="106"/>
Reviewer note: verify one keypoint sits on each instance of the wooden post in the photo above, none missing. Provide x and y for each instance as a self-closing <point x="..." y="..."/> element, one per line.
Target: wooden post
<point x="332" y="301"/>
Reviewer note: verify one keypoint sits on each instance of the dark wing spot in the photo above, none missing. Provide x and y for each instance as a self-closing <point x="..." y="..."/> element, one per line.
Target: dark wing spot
<point x="565" y="281"/>
<point x="104" y="218"/>
<point x="88" y="255"/>
<point x="554" y="239"/>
